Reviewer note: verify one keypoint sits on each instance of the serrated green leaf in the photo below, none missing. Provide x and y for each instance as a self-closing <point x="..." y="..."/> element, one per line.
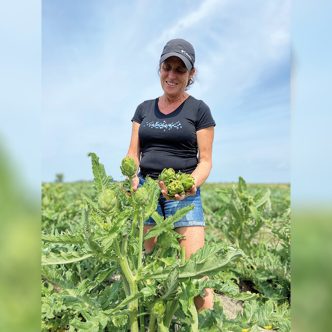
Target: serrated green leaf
<point x="65" y="238"/>
<point x="171" y="284"/>
<point x="207" y="264"/>
<point x="242" y="186"/>
<point x="167" y="224"/>
<point x="90" y="326"/>
<point x="64" y="258"/>
<point x="101" y="180"/>
<point x="265" y="198"/>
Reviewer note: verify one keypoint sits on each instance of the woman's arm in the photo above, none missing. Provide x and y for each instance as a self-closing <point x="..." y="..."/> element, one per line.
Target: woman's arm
<point x="134" y="150"/>
<point x="204" y="141"/>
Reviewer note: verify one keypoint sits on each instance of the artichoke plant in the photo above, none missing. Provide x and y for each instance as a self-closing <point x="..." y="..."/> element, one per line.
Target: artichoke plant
<point x="155" y="290"/>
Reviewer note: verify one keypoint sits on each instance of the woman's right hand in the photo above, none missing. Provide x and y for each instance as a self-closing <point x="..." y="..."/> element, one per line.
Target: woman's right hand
<point x="177" y="197"/>
<point x="135" y="182"/>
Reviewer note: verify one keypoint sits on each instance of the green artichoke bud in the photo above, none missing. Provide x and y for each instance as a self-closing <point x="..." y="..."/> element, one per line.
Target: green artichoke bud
<point x="175" y="187"/>
<point x="119" y="320"/>
<point x="167" y="176"/>
<point x="128" y="167"/>
<point x="159" y="308"/>
<point x="141" y="196"/>
<point x="107" y="200"/>
<point x="187" y="181"/>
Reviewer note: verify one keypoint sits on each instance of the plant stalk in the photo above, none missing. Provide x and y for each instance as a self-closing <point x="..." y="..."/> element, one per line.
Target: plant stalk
<point x="140" y="256"/>
<point x="132" y="306"/>
<point x="162" y="327"/>
<point x="193" y="311"/>
<point x="124" y="245"/>
<point x="140" y="240"/>
<point x="170" y="310"/>
<point x="152" y="323"/>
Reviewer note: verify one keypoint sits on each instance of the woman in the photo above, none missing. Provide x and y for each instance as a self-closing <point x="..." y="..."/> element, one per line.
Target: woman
<point x="176" y="131"/>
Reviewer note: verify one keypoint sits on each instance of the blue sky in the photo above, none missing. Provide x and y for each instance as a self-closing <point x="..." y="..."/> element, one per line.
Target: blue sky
<point x="20" y="86"/>
<point x="311" y="103"/>
<point x="100" y="60"/>
<point x="98" y="63"/>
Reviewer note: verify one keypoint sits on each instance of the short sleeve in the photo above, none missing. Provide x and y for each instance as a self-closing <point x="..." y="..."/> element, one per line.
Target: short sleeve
<point x="138" y="116"/>
<point x="204" y="117"/>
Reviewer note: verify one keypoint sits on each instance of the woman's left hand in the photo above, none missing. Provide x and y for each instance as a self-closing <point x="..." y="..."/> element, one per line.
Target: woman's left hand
<point x="177" y="197"/>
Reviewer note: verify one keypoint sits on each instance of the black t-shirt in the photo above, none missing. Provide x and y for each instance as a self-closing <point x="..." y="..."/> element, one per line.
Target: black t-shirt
<point x="170" y="140"/>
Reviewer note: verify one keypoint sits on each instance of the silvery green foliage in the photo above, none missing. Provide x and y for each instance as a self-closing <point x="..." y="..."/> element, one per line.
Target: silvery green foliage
<point x="257" y="220"/>
<point x="84" y="289"/>
<point x="96" y="276"/>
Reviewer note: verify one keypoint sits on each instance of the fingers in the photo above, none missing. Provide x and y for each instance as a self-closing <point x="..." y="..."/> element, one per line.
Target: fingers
<point x="177" y="197"/>
<point x="135" y="183"/>
<point x="163" y="189"/>
<point x="193" y="190"/>
<point x="162" y="186"/>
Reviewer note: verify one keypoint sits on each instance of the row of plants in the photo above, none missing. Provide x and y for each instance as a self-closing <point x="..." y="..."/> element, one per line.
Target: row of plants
<point x="256" y="220"/>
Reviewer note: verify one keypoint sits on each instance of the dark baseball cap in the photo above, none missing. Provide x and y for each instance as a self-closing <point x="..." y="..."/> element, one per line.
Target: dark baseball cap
<point x="180" y="48"/>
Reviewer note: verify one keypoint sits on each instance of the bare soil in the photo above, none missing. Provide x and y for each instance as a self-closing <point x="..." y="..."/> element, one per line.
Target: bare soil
<point x="232" y="308"/>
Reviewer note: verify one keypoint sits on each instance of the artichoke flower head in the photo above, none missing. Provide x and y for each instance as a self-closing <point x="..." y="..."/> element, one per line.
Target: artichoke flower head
<point x="167" y="176"/>
<point x="141" y="196"/>
<point x="107" y="200"/>
<point x="175" y="187"/>
<point x="187" y="181"/>
<point x="128" y="167"/>
<point x="176" y="183"/>
<point x="159" y="308"/>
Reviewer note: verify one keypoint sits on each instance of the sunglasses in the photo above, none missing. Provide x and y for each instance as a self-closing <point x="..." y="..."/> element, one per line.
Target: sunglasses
<point x="178" y="69"/>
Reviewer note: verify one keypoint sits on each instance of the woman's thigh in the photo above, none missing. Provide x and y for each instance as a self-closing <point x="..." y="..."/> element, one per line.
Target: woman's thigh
<point x="193" y="238"/>
<point x="149" y="243"/>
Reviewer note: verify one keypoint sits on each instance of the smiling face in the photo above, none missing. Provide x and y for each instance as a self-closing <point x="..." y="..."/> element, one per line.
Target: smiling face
<point x="174" y="77"/>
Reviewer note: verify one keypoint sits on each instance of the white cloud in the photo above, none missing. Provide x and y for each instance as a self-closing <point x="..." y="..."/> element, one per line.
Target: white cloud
<point x="195" y="17"/>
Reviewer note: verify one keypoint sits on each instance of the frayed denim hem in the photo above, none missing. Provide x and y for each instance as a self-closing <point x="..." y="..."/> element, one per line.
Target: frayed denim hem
<point x="189" y="223"/>
<point x="179" y="223"/>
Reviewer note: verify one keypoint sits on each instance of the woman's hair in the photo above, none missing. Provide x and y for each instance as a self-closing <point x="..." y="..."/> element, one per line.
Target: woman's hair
<point x="190" y="82"/>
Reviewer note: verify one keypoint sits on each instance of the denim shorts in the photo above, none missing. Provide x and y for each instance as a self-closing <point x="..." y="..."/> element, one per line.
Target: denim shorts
<point x="166" y="208"/>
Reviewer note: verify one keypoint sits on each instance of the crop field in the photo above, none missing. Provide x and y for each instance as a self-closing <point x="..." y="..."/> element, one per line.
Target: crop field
<point x="97" y="277"/>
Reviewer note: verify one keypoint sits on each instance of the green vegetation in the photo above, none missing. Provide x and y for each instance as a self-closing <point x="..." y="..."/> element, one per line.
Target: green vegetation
<point x="96" y="276"/>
